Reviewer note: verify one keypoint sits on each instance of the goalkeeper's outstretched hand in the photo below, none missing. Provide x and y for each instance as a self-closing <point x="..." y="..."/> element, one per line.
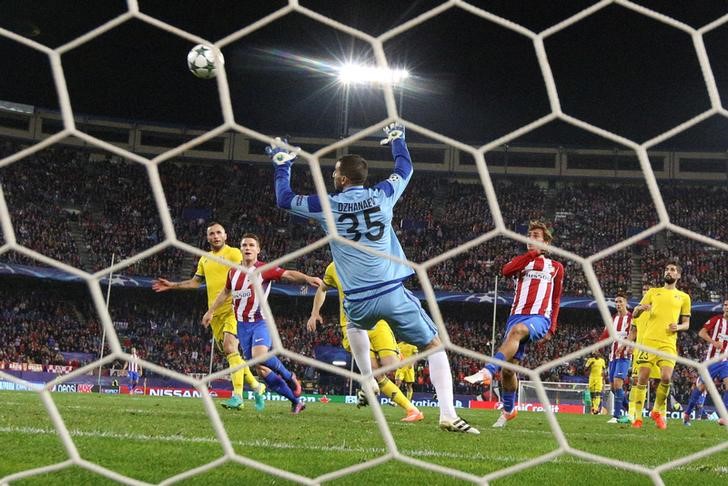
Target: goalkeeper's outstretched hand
<point x="280" y="155"/>
<point x="393" y="131"/>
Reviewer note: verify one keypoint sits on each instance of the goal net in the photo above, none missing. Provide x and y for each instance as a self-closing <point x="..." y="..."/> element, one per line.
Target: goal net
<point x="547" y="395"/>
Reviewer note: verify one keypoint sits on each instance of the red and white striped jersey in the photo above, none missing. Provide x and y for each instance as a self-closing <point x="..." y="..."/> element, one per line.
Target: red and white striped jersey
<point x="621" y="326"/>
<point x="717" y="327"/>
<point x="539" y="281"/>
<point x="246" y="303"/>
<point x="134" y="364"/>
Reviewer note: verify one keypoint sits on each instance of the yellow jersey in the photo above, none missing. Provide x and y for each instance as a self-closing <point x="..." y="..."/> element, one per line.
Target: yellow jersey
<point x="406" y="349"/>
<point x="215" y="274"/>
<point x="596" y="367"/>
<point x="638" y="323"/>
<point x="667" y="305"/>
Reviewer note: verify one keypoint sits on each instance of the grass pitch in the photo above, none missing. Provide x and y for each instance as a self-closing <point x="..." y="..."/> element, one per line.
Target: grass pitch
<point x="151" y="439"/>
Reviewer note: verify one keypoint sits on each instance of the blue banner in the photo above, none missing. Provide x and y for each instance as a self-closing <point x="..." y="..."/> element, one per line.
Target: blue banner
<point x="504" y="298"/>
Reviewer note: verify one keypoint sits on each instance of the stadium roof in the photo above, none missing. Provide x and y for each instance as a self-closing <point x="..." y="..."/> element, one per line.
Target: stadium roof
<point x="471" y="79"/>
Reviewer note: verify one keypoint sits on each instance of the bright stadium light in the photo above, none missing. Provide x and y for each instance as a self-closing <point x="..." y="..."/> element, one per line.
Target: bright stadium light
<point x="338" y="363"/>
<point x="368" y="74"/>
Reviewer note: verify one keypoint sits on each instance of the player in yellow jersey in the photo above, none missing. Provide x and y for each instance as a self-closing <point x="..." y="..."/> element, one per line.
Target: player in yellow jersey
<point x="596" y="365"/>
<point x="406" y="374"/>
<point x="669" y="313"/>
<point x="224" y="325"/>
<point x="384" y="349"/>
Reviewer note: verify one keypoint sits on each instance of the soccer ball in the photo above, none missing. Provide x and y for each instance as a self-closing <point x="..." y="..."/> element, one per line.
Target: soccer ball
<point x="202" y="61"/>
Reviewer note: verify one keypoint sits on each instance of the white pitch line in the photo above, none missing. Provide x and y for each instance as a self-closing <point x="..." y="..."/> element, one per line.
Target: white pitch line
<point x="343" y="448"/>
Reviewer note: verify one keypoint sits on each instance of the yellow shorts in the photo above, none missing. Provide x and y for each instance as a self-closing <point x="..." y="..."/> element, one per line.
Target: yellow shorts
<point x="596" y="384"/>
<point x="654" y="370"/>
<point x="645" y="359"/>
<point x="381" y="339"/>
<point x="223" y="323"/>
<point x="406" y="374"/>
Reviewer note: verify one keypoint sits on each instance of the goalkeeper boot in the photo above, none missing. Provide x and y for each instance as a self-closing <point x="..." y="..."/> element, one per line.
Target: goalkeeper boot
<point x="361" y="399"/>
<point x="235" y="402"/>
<point x="659" y="419"/>
<point x="259" y="396"/>
<point x="723" y="422"/>
<point x="483" y="376"/>
<point x="458" y="425"/>
<point x="504" y="418"/>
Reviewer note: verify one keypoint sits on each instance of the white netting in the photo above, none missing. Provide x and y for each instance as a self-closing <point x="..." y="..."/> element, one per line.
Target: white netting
<point x="564" y="448"/>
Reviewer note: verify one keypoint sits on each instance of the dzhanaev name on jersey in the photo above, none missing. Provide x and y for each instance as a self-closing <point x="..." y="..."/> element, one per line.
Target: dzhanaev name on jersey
<point x="352" y="207"/>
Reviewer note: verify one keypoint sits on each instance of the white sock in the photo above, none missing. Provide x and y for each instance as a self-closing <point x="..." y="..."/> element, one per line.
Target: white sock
<point x="359" y="343"/>
<point x="441" y="377"/>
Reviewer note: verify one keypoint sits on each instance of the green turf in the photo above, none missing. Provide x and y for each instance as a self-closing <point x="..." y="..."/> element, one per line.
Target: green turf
<point x="151" y="439"/>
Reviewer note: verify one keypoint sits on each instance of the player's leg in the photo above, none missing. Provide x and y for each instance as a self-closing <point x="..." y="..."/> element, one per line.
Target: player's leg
<point x="596" y="389"/>
<point x="385" y="352"/>
<point x="509" y="386"/>
<point x="719" y="371"/>
<point x="663" y="390"/>
<point x="227" y="334"/>
<point x="357" y="313"/>
<point x="695" y="394"/>
<point x="617" y="376"/>
<point x="638" y="394"/>
<point x="260" y="343"/>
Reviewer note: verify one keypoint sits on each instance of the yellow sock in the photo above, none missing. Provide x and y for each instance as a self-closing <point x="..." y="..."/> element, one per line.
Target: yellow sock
<point x="234" y="359"/>
<point x="663" y="389"/>
<point x="410" y="392"/>
<point x="596" y="401"/>
<point x="630" y="409"/>
<point x="637" y="400"/>
<point x="249" y="378"/>
<point x="392" y="391"/>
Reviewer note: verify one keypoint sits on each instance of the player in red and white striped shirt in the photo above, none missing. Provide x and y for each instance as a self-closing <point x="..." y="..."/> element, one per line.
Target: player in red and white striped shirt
<point x="534" y="313"/>
<point x="620" y="357"/>
<point x="134" y="370"/>
<point x="715" y="333"/>
<point x="252" y="329"/>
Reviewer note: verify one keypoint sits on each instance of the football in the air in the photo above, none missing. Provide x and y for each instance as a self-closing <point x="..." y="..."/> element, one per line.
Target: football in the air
<point x="203" y="61"/>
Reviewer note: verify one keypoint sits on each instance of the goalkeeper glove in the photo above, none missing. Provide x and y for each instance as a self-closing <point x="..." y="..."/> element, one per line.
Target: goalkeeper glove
<point x="281" y="155"/>
<point x="393" y="131"/>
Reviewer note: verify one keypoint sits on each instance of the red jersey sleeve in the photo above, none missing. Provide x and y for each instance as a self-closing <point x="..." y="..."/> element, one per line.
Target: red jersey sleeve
<point x="274" y="274"/>
<point x="710" y="323"/>
<point x="556" y="296"/>
<point x="228" y="280"/>
<point x="518" y="263"/>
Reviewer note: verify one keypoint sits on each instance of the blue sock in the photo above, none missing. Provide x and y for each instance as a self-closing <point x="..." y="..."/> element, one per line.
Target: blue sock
<point x="494" y="368"/>
<point x="277" y="366"/>
<point x="276" y="383"/>
<point x="701" y="400"/>
<point x="693" y="402"/>
<point x="618" y="402"/>
<point x="509" y="400"/>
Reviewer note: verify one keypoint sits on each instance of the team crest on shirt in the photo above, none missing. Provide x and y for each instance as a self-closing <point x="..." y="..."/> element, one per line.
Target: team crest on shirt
<point x="394" y="178"/>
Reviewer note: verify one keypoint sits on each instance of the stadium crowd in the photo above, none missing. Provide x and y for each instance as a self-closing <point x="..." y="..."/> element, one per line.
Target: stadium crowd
<point x="166" y="330"/>
<point x="112" y="210"/>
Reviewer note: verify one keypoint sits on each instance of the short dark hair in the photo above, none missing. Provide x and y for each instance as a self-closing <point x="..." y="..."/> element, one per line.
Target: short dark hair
<point x="214" y="223"/>
<point x="252" y="236"/>
<point x="677" y="265"/>
<point x="621" y="294"/>
<point x="355" y="168"/>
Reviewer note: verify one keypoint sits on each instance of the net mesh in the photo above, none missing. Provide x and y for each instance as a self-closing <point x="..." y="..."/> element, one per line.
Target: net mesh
<point x="151" y="165"/>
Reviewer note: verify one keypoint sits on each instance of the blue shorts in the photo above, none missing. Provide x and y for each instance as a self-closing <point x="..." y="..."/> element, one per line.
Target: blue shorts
<point x="537" y="324"/>
<point x="396" y="305"/>
<point x="619" y="368"/>
<point x="133" y="376"/>
<point x="718" y="370"/>
<point x="253" y="334"/>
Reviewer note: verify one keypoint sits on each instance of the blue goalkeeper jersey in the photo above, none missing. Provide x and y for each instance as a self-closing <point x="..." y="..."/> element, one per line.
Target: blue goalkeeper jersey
<point x="363" y="215"/>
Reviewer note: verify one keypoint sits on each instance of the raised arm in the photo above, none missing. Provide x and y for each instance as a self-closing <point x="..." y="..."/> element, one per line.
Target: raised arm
<point x="298" y="277"/>
<point x="518" y="263"/>
<point x="307" y="206"/>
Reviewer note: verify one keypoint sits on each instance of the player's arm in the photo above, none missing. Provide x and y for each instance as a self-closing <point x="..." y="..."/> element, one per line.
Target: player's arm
<point x="519" y="262"/>
<point x="631" y="336"/>
<point x="301" y="205"/>
<point x="219" y="301"/>
<point x="162" y="284"/>
<point x="395" y="185"/>
<point x="318" y="302"/>
<point x="684" y="324"/>
<point x="295" y="276"/>
<point x="556" y="299"/>
<point x="644" y="305"/>
<point x="704" y="334"/>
